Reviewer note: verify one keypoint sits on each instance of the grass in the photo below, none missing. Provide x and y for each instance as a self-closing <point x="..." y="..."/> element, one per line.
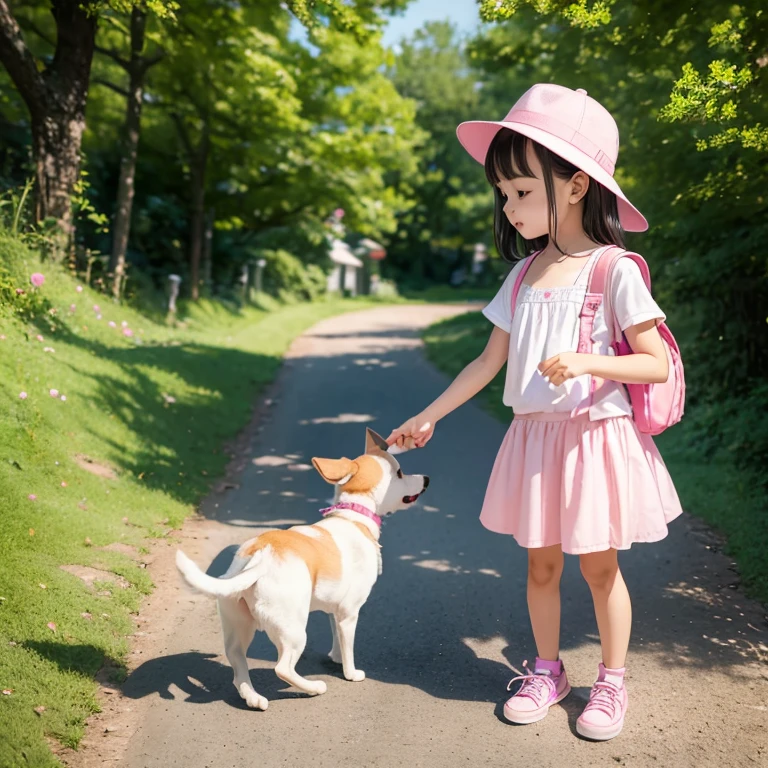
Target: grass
<point x="446" y="294"/>
<point x="154" y="410"/>
<point x="714" y="490"/>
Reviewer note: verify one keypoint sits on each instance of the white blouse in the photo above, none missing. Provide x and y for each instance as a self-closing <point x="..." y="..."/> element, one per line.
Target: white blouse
<point x="546" y="322"/>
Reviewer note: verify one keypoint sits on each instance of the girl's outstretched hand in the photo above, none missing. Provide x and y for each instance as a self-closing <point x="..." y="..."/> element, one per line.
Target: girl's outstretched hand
<point x="414" y="433"/>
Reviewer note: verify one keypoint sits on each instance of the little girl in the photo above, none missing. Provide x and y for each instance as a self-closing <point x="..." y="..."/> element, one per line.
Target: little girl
<point x="573" y="475"/>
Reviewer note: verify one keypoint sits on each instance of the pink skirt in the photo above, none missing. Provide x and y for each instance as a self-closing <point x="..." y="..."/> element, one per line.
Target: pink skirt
<point x="586" y="485"/>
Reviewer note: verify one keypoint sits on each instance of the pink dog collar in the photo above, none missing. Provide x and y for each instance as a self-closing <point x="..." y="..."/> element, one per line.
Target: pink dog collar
<point x="359" y="508"/>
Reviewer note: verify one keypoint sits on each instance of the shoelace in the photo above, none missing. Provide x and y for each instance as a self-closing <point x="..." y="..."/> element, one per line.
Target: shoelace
<point x="533" y="685"/>
<point x="604" y="698"/>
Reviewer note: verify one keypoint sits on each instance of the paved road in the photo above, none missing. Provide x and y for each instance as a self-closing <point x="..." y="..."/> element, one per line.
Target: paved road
<point x="447" y="619"/>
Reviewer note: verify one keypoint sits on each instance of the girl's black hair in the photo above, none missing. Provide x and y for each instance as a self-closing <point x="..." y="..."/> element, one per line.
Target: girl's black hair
<point x="506" y="159"/>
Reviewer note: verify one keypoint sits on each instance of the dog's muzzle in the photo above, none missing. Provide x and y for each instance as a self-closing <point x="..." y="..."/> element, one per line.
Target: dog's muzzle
<point x="411" y="499"/>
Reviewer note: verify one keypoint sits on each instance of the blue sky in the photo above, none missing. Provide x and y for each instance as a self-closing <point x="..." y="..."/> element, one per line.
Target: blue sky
<point x="463" y="13"/>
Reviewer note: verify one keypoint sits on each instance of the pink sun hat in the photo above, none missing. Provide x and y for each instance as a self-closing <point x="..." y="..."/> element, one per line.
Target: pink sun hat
<point x="569" y="123"/>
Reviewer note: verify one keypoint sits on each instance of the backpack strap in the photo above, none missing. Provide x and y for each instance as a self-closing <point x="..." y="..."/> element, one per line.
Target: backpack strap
<point x="519" y="281"/>
<point x="592" y="301"/>
<point x="593" y="298"/>
<point x="601" y="276"/>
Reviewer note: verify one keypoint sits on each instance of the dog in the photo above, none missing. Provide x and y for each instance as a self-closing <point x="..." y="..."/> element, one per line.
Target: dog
<point x="277" y="578"/>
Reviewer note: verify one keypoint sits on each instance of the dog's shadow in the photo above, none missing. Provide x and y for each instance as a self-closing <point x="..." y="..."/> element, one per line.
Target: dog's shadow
<point x="201" y="679"/>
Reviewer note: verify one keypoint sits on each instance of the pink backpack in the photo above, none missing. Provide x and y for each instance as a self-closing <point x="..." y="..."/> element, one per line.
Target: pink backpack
<point x="655" y="406"/>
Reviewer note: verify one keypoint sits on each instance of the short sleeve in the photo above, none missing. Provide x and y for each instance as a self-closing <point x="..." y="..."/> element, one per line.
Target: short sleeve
<point x="499" y="310"/>
<point x="631" y="301"/>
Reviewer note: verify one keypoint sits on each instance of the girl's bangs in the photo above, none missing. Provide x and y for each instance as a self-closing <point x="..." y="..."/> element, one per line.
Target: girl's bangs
<point x="507" y="157"/>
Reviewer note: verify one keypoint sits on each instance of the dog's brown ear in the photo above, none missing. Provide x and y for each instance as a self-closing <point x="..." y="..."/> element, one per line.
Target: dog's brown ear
<point x="374" y="443"/>
<point x="333" y="470"/>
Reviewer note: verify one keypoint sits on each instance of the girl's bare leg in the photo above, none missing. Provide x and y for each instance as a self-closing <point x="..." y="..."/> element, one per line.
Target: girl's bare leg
<point x="545" y="567"/>
<point x="613" y="608"/>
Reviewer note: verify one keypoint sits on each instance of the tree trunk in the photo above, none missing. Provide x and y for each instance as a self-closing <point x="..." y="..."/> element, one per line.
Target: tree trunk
<point x="207" y="251"/>
<point x="137" y="68"/>
<point x="56" y="101"/>
<point x="56" y="140"/>
<point x="198" y="210"/>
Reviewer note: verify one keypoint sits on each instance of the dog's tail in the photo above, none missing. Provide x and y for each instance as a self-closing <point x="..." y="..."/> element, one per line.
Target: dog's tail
<point x="223" y="587"/>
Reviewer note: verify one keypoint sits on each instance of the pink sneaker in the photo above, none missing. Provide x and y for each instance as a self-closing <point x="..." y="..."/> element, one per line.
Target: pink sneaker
<point x="603" y="717"/>
<point x="540" y="689"/>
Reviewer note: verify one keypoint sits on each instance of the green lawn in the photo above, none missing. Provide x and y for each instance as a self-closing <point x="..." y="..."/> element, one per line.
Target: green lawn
<point x="153" y="409"/>
<point x="446" y="294"/>
<point x="714" y="490"/>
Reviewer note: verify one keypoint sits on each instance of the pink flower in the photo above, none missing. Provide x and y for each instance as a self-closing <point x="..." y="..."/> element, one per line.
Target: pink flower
<point x="54" y="393"/>
<point x="127" y="332"/>
<point x="79" y="289"/>
<point x="20" y="291"/>
<point x="37" y="279"/>
<point x="22" y="395"/>
<point x="96" y="308"/>
<point x="39" y="337"/>
<point x="32" y="497"/>
<point x="51" y="625"/>
<point x="72" y="307"/>
<point x="63" y="484"/>
<point x="98" y="317"/>
<point x="339" y="213"/>
<point x="112" y="324"/>
<point x="63" y="398"/>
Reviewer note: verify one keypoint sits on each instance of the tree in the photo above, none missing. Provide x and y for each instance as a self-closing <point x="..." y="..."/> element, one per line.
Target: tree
<point x="270" y="135"/>
<point x="452" y="202"/>
<point x="224" y="88"/>
<point x="136" y="66"/>
<point x="56" y="96"/>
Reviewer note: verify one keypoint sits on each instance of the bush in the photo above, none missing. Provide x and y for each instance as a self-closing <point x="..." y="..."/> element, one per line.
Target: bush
<point x="16" y="291"/>
<point x="738" y="426"/>
<point x="288" y="277"/>
<point x="386" y="289"/>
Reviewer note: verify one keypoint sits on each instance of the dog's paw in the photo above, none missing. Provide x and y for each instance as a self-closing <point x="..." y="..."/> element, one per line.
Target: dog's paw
<point x="335" y="656"/>
<point x="357" y="676"/>
<point x="316" y="687"/>
<point x="252" y="699"/>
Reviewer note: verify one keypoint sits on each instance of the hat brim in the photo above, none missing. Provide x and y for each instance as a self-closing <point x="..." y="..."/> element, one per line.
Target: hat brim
<point x="476" y="136"/>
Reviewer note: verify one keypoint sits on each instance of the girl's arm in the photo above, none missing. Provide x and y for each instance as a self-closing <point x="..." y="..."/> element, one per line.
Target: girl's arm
<point x="418" y="430"/>
<point x="648" y="364"/>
